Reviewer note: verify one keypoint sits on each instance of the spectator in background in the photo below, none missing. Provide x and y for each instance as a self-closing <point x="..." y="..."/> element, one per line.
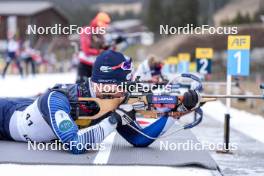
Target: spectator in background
<point x="74" y="62"/>
<point x="91" y="46"/>
<point x="51" y="62"/>
<point x="12" y="55"/>
<point x="149" y="70"/>
<point x="27" y="55"/>
<point x="38" y="59"/>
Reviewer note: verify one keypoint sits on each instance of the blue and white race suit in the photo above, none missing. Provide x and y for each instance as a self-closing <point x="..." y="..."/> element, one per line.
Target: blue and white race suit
<point x="48" y="118"/>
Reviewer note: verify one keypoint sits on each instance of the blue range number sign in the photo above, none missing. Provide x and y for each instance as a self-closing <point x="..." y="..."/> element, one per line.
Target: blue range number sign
<point x="204" y="60"/>
<point x="238" y="59"/>
<point x="204" y="66"/>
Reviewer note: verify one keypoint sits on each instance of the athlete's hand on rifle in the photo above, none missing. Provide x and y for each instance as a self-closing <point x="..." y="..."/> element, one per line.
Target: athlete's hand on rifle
<point x="124" y="114"/>
<point x="191" y="99"/>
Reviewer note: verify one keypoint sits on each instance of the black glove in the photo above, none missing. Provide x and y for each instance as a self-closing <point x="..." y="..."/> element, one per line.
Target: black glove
<point x="124" y="114"/>
<point x="190" y="99"/>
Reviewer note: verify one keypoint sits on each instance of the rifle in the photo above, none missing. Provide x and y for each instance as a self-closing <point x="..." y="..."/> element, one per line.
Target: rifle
<point x="144" y="104"/>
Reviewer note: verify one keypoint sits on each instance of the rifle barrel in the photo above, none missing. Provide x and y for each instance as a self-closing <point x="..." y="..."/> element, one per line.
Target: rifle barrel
<point x="210" y="83"/>
<point x="234" y="96"/>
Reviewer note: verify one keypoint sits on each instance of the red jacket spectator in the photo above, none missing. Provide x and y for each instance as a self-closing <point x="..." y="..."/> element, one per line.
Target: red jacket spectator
<point x="91" y="44"/>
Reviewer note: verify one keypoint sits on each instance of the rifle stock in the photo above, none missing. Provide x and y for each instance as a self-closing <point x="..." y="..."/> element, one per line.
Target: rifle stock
<point x="108" y="105"/>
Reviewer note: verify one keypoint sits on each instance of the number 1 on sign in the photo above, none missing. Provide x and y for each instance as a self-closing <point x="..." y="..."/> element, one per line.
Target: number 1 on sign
<point x="237" y="55"/>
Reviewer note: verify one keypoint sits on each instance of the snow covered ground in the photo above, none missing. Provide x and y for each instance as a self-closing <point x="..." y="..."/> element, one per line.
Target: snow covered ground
<point x="249" y="124"/>
<point x="15" y="86"/>
<point x="248" y="157"/>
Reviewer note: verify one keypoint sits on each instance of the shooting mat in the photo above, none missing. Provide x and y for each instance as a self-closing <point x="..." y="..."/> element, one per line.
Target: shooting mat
<point x="121" y="153"/>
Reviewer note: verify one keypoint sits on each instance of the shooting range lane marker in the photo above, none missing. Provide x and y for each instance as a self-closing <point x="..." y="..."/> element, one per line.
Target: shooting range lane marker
<point x="204" y="60"/>
<point x="184" y="62"/>
<point x="103" y="155"/>
<point x="235" y="44"/>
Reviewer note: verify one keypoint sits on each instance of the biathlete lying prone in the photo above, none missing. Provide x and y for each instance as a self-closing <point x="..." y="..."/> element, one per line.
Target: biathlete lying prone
<point x="51" y="116"/>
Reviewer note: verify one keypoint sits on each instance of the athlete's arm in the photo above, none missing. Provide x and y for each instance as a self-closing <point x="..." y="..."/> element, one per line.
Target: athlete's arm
<point x="66" y="129"/>
<point x="154" y="130"/>
<point x="157" y="128"/>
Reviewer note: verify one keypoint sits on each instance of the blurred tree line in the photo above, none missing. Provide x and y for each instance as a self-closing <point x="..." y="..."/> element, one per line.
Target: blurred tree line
<point x="180" y="12"/>
<point x="244" y="19"/>
<point x="81" y="12"/>
<point x="84" y="15"/>
<point x="154" y="12"/>
<point x="171" y="12"/>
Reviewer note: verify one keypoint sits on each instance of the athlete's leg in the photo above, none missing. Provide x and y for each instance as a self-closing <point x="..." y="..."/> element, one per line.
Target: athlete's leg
<point x="6" y="111"/>
<point x="10" y="57"/>
<point x="5" y="69"/>
<point x="1" y="119"/>
<point x="19" y="67"/>
<point x="33" y="66"/>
